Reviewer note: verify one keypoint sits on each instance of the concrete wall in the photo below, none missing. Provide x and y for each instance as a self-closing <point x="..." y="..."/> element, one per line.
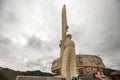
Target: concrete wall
<point x="38" y="78"/>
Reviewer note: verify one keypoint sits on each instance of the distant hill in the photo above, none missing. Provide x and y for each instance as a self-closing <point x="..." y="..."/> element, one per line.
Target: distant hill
<point x="8" y="74"/>
<point x="108" y="71"/>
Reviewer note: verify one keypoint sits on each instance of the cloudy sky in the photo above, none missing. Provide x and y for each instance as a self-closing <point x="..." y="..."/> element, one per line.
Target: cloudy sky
<point x="30" y="31"/>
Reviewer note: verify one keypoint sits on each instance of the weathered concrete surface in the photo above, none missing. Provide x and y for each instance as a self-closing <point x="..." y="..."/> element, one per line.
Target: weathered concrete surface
<point x="38" y="78"/>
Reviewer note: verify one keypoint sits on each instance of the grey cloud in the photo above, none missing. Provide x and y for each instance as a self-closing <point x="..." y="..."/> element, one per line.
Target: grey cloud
<point x="5" y="40"/>
<point x="5" y="44"/>
<point x="35" y="42"/>
<point x="6" y="14"/>
<point x="34" y="47"/>
<point x="1" y="3"/>
<point x="94" y="25"/>
<point x="111" y="42"/>
<point x="43" y="64"/>
<point x="8" y="17"/>
<point x="8" y="53"/>
<point x="102" y="32"/>
<point x="43" y="47"/>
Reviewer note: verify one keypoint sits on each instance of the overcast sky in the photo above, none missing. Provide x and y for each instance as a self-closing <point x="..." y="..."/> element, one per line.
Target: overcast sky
<point x="30" y="31"/>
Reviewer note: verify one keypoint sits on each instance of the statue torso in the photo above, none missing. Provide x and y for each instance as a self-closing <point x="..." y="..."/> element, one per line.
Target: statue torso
<point x="68" y="42"/>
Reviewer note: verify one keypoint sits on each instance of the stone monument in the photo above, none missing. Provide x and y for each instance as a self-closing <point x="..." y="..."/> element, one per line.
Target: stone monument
<point x="69" y="64"/>
<point x="67" y="53"/>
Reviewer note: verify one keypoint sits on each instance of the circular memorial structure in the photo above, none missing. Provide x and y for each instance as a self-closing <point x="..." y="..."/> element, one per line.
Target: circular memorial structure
<point x="86" y="64"/>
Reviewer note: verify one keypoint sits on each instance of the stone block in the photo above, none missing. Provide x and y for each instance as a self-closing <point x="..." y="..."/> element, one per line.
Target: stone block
<point x="38" y="78"/>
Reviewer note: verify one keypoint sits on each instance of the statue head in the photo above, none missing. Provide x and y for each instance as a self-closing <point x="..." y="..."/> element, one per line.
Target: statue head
<point x="69" y="36"/>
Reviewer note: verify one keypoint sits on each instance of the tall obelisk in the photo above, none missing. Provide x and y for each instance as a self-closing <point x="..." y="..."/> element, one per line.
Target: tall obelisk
<point x="67" y="53"/>
<point x="64" y="32"/>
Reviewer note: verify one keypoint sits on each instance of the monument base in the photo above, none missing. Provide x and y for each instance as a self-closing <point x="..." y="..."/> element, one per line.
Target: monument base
<point x="38" y="78"/>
